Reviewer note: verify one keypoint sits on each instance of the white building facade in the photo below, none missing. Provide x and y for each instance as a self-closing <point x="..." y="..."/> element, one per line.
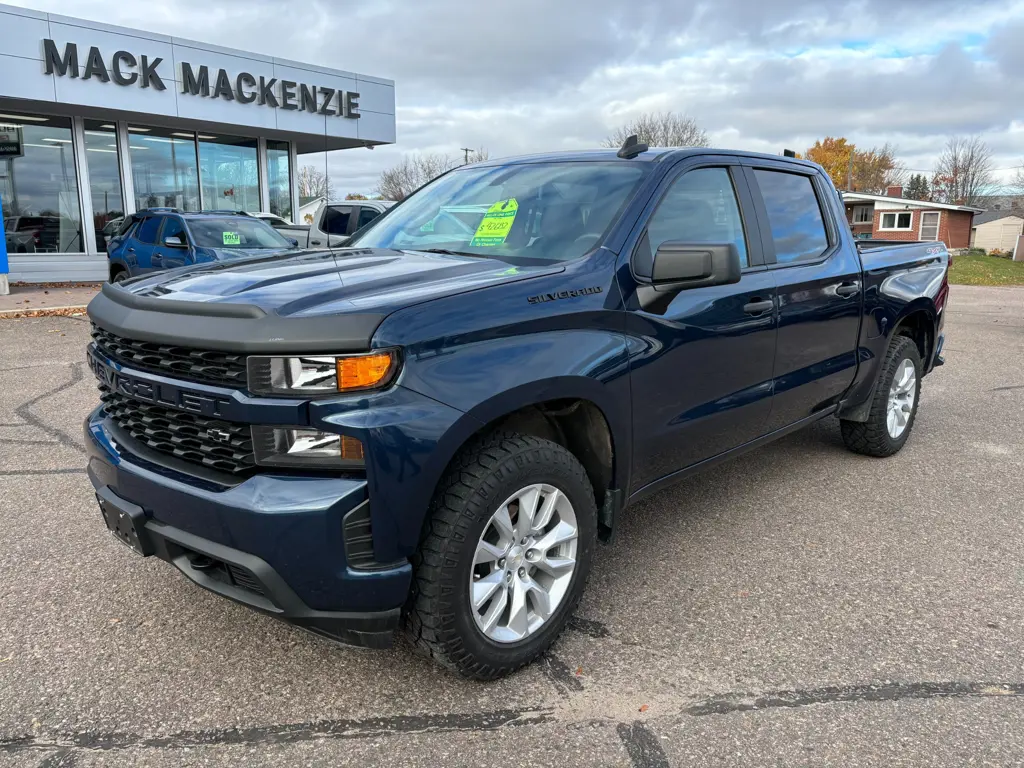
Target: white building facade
<point x="97" y="122"/>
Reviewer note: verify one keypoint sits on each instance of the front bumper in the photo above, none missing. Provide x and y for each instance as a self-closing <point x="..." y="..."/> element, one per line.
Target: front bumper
<point x="274" y="543"/>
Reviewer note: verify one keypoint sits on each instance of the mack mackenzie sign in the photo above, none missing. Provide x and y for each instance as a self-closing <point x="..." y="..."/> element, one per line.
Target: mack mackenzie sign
<point x="126" y="69"/>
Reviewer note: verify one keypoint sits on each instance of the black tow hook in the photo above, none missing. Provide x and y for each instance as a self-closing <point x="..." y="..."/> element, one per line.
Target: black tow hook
<point x="201" y="562"/>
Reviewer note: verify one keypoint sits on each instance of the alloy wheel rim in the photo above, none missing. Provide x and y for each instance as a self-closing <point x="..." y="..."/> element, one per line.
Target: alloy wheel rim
<point x="524" y="563"/>
<point x="901" y="398"/>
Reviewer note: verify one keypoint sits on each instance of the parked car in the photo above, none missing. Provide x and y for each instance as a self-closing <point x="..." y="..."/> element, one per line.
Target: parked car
<point x="32" y="234"/>
<point x="156" y="239"/>
<point x="15" y="241"/>
<point x="334" y="223"/>
<point x="434" y="427"/>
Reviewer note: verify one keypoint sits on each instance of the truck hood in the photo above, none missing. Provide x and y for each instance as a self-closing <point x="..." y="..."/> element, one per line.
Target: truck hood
<point x="313" y="283"/>
<point x="303" y="301"/>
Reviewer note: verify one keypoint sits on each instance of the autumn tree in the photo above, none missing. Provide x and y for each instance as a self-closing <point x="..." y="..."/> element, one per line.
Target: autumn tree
<point x="871" y="170"/>
<point x="917" y="188"/>
<point x="963" y="171"/>
<point x="355" y="196"/>
<point x="313" y="182"/>
<point x="660" y="129"/>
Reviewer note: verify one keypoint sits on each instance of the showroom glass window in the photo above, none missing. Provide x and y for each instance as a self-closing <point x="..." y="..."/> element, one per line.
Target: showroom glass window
<point x="279" y="179"/>
<point x="229" y="173"/>
<point x="39" y="185"/>
<point x="104" y="180"/>
<point x="165" y="172"/>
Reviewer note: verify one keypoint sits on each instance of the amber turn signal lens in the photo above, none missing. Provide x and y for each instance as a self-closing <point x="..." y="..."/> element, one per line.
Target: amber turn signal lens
<point x="351" y="449"/>
<point x="364" y="371"/>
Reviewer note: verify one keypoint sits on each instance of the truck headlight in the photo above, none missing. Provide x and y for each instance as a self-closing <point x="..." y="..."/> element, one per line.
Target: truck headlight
<point x="321" y="374"/>
<point x="306" y="448"/>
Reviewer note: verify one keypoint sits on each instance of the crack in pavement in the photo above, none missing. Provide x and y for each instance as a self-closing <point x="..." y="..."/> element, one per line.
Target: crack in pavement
<point x="560" y="675"/>
<point x="21" y="441"/>
<point x="24" y="412"/>
<point x="731" y="703"/>
<point x="285" y="734"/>
<point x="1007" y="389"/>
<point x="642" y="745"/>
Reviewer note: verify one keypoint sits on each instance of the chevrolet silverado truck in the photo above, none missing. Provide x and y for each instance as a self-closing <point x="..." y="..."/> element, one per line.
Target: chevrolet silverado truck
<point x="432" y="428"/>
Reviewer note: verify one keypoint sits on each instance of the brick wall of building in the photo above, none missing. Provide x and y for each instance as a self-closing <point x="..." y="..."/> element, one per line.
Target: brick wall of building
<point x="954" y="228"/>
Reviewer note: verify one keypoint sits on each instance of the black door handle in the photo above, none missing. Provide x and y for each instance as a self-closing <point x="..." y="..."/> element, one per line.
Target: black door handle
<point x="314" y="242"/>
<point x="757" y="306"/>
<point x="848" y="289"/>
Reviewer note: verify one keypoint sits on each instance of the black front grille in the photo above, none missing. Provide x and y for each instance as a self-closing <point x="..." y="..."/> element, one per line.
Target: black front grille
<point x="220" y="445"/>
<point x="204" y="365"/>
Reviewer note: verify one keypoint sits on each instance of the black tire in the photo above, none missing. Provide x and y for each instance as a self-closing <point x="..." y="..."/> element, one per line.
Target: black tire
<point x="119" y="277"/>
<point x="872" y="437"/>
<point x="439" y="618"/>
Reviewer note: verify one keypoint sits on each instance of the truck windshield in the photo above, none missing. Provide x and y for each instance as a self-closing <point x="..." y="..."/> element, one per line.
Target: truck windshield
<point x="235" y="232"/>
<point x="543" y="211"/>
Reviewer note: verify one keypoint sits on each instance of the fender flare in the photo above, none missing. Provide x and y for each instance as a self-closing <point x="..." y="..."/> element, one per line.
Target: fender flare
<point x="533" y="393"/>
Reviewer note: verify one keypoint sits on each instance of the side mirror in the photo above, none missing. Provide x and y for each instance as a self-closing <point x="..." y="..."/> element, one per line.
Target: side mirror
<point x="294" y="242"/>
<point x="174" y="242"/>
<point x="681" y="265"/>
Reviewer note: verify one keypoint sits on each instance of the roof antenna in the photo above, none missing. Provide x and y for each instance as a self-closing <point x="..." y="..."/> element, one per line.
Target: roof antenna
<point x="631" y="147"/>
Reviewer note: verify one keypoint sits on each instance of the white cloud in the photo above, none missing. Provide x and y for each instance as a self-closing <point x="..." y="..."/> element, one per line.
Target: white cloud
<point x="540" y="75"/>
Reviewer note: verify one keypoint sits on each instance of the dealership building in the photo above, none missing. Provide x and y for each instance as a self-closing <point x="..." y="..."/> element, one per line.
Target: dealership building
<point x="98" y="121"/>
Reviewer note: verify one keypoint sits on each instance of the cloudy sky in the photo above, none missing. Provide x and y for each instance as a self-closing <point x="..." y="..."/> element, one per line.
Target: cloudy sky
<point x="550" y="74"/>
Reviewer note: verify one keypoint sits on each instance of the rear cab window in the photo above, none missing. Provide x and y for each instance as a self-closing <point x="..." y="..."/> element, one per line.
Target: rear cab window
<point x="794" y="215"/>
<point x="366" y="215"/>
<point x="148" y="230"/>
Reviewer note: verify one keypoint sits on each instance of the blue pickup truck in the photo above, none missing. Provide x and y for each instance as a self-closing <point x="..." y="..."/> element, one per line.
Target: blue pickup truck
<point x="432" y="428"/>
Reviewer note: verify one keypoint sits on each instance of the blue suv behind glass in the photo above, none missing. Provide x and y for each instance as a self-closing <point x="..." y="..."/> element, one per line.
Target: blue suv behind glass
<point x="156" y="239"/>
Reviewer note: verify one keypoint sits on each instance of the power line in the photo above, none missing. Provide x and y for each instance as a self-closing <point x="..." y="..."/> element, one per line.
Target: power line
<point x="994" y="170"/>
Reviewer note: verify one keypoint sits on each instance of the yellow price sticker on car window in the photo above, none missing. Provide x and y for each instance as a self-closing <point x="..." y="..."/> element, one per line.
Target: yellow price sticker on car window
<point x="232" y="238"/>
<point x="496" y="223"/>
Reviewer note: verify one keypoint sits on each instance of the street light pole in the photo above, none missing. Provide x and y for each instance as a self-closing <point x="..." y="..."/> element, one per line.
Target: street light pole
<point x="465" y="151"/>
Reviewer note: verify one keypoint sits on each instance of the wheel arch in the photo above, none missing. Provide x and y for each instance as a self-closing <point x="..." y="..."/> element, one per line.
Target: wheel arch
<point x="916" y="321"/>
<point x="115" y="268"/>
<point x="574" y="412"/>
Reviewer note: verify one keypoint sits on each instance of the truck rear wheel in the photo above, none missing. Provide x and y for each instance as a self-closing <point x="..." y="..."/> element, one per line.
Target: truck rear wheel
<point x="505" y="558"/>
<point x="893" y="406"/>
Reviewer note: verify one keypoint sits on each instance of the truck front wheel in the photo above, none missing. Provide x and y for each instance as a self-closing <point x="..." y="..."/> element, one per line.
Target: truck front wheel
<point x="894" y="404"/>
<point x="505" y="557"/>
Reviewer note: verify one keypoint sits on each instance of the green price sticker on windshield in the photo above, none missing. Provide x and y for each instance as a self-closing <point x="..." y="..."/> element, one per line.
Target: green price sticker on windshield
<point x="496" y="223"/>
<point x="232" y="238"/>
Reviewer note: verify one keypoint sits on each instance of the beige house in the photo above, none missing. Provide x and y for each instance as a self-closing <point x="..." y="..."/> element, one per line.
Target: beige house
<point x="998" y="229"/>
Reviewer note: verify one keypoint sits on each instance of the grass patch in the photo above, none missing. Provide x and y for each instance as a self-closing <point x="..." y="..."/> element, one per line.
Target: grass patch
<point x="986" y="270"/>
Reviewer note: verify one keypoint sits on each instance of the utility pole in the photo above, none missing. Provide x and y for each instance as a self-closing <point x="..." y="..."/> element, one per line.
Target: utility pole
<point x="466" y="151"/>
<point x="849" y="174"/>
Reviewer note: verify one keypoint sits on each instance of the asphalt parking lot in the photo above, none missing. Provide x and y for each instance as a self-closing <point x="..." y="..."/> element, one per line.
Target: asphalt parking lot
<point x="798" y="606"/>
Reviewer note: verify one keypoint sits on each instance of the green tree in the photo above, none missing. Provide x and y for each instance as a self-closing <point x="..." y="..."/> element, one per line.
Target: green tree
<point x="917" y="188"/>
